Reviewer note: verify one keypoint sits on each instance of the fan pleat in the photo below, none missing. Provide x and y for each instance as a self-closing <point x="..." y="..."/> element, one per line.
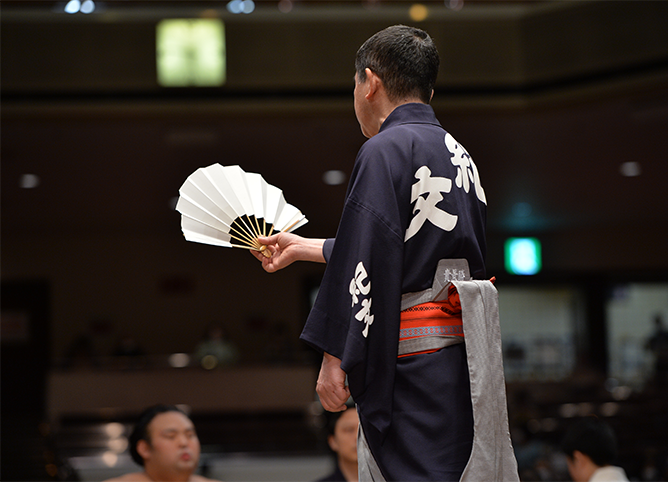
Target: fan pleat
<point x="225" y="206"/>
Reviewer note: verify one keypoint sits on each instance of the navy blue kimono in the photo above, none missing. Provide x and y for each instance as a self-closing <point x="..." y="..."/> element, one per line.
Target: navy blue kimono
<point x="414" y="198"/>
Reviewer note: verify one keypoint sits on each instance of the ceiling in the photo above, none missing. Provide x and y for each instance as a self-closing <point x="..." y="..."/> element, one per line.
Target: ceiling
<point x="550" y="153"/>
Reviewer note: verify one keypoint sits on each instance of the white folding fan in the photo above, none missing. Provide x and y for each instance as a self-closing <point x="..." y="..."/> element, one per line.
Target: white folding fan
<point x="226" y="206"/>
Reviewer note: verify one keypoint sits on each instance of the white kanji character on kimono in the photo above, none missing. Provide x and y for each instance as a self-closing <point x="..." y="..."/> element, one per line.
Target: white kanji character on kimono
<point x="357" y="285"/>
<point x="425" y="208"/>
<point x="365" y="315"/>
<point x="466" y="168"/>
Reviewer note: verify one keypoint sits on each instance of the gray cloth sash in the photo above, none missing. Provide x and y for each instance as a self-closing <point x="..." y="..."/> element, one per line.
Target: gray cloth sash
<point x="367" y="468"/>
<point x="492" y="458"/>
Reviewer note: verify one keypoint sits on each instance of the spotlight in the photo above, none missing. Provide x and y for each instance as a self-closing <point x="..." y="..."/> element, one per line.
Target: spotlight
<point x="630" y="169"/>
<point x="88" y="6"/>
<point x="73" y="6"/>
<point x="241" y="6"/>
<point x="76" y="6"/>
<point x="29" y="181"/>
<point x="334" y="177"/>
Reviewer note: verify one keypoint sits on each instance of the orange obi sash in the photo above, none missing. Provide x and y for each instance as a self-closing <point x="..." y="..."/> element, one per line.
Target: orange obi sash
<point x="425" y="328"/>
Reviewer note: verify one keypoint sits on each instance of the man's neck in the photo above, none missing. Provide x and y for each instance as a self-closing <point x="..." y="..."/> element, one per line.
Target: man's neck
<point x="159" y="476"/>
<point x="588" y="470"/>
<point x="389" y="107"/>
<point x="349" y="470"/>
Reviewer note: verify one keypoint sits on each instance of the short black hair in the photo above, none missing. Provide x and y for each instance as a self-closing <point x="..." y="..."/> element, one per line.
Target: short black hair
<point x="594" y="438"/>
<point x="404" y="58"/>
<point x="140" y="431"/>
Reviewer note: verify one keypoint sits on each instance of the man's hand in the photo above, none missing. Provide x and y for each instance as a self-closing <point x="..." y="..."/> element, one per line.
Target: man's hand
<point x="281" y="246"/>
<point x="286" y="248"/>
<point x="331" y="384"/>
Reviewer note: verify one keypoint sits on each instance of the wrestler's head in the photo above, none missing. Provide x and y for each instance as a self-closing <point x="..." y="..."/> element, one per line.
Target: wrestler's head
<point x="164" y="441"/>
<point x="404" y="58"/>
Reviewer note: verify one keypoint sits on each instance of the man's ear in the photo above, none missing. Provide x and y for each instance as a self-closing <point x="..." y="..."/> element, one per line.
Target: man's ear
<point x="579" y="457"/>
<point x="143" y="449"/>
<point x="333" y="444"/>
<point x="374" y="83"/>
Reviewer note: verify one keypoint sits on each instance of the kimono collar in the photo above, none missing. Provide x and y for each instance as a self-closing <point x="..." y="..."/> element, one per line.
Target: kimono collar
<point x="413" y="113"/>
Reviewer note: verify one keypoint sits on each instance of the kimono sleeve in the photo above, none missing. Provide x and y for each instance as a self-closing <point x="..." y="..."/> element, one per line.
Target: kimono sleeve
<point x="327" y="248"/>
<point x="356" y="313"/>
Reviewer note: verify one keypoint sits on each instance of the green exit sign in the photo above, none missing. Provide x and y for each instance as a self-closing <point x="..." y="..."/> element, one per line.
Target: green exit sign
<point x="190" y="52"/>
<point x="523" y="256"/>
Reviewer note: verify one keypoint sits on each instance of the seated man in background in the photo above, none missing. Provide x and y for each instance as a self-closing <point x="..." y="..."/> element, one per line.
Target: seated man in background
<point x="590" y="446"/>
<point x="165" y="443"/>
<point x="342" y="439"/>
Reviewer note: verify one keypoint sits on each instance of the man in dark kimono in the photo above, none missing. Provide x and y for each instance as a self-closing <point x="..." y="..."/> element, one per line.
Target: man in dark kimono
<point x="413" y="224"/>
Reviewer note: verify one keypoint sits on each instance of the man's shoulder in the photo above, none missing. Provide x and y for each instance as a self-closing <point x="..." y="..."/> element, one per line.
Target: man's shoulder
<point x="132" y="477"/>
<point x="609" y="473"/>
<point x="403" y="138"/>
<point x="390" y="146"/>
<point x="142" y="477"/>
<point x="199" y="478"/>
